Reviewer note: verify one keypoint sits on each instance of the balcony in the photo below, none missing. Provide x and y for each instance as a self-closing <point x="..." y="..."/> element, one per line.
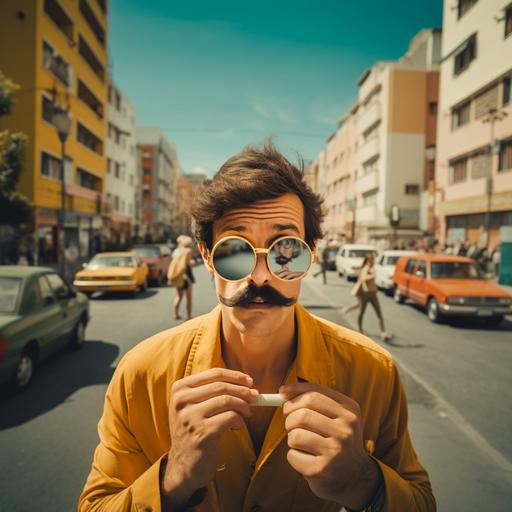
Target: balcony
<point x="88" y="55"/>
<point x="367" y="182"/>
<point x="370" y="116"/>
<point x="368" y="150"/>
<point x="56" y="65"/>
<point x="367" y="214"/>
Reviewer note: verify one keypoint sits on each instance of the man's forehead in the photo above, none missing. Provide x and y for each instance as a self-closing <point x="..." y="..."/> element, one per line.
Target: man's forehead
<point x="281" y="211"/>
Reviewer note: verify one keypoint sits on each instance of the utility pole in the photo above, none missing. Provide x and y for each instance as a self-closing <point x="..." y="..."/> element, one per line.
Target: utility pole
<point x="354" y="206"/>
<point x="492" y="115"/>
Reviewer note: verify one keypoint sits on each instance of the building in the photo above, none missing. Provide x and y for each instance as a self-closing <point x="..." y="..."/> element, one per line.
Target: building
<point x="160" y="173"/>
<point x="57" y="52"/>
<point x="396" y="120"/>
<point x="186" y="190"/>
<point x="339" y="177"/>
<point x="474" y="153"/>
<point x="123" y="183"/>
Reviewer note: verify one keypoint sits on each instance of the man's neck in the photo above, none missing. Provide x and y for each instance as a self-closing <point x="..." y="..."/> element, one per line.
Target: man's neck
<point x="265" y="358"/>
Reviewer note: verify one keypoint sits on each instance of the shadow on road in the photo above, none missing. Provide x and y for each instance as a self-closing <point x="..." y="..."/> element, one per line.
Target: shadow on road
<point x="57" y="379"/>
<point x="123" y="295"/>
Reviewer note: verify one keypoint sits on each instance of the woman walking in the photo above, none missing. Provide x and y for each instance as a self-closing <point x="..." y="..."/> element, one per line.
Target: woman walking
<point x="368" y="294"/>
<point x="180" y="274"/>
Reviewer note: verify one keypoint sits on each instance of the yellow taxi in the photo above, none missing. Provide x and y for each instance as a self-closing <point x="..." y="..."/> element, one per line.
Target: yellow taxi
<point x="113" y="272"/>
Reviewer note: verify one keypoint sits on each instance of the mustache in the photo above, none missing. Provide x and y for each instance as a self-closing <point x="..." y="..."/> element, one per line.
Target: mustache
<point x="251" y="292"/>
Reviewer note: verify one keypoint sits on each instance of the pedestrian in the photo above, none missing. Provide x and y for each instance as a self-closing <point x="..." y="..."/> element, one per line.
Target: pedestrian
<point x="180" y="274"/>
<point x="369" y="295"/>
<point x="181" y="426"/>
<point x="324" y="264"/>
<point x="355" y="292"/>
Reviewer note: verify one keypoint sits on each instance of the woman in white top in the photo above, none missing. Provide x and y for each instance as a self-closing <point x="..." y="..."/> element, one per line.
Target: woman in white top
<point x="184" y="252"/>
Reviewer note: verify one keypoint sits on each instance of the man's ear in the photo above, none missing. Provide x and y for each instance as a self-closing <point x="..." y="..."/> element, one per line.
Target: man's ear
<point x="204" y="254"/>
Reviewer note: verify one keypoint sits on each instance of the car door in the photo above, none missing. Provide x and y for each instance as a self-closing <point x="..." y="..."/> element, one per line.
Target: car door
<point x="415" y="281"/>
<point x="420" y="276"/>
<point x="71" y="309"/>
<point x="47" y="314"/>
<point x="408" y="272"/>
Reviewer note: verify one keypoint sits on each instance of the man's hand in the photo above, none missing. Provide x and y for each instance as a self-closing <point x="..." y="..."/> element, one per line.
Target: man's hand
<point x="326" y="445"/>
<point x="203" y="407"/>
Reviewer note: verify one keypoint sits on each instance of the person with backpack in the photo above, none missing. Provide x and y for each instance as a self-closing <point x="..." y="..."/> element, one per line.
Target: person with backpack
<point x="180" y="274"/>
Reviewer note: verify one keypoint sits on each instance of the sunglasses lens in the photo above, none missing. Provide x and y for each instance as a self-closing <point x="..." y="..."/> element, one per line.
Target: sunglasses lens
<point x="233" y="259"/>
<point x="289" y="258"/>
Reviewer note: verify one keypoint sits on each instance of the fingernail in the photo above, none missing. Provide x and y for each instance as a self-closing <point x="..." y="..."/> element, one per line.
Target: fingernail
<point x="255" y="393"/>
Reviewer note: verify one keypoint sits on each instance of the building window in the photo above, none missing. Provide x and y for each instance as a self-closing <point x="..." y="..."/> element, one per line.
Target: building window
<point x="370" y="198"/>
<point x="458" y="170"/>
<point x="58" y="15"/>
<point x="89" y="98"/>
<point x="506" y="90"/>
<point x="505" y="163"/>
<point x="50" y="166"/>
<point x="56" y="65"/>
<point x="464" y="57"/>
<point x="463" y="6"/>
<point x="88" y="55"/>
<point x="47" y="109"/>
<point x="92" y="21"/>
<point x="87" y="138"/>
<point x="370" y="166"/>
<point x="460" y="115"/>
<point x="481" y="163"/>
<point x="508" y="20"/>
<point x="87" y="180"/>
<point x="485" y="102"/>
<point x="412" y="189"/>
<point x="117" y="169"/>
<point x="147" y="172"/>
<point x="109" y="166"/>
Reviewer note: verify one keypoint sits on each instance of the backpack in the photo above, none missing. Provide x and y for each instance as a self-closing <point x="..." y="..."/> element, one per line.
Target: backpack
<point x="176" y="275"/>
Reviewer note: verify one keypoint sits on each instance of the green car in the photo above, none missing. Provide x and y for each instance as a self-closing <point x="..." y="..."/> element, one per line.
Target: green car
<point x="39" y="313"/>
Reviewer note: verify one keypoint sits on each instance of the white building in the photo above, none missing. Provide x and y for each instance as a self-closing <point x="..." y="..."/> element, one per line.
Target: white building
<point x="474" y="154"/>
<point x="122" y="174"/>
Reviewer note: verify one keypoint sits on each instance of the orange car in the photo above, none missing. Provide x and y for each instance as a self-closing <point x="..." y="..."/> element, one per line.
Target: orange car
<point x="449" y="286"/>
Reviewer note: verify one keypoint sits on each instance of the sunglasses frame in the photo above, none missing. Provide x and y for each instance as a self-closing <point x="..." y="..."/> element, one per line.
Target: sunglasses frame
<point x="261" y="250"/>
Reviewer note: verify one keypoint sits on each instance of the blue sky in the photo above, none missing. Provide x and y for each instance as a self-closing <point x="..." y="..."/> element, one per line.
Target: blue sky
<point x="216" y="76"/>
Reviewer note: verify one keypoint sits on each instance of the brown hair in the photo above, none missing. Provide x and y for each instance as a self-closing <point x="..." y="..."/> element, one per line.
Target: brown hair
<point x="253" y="175"/>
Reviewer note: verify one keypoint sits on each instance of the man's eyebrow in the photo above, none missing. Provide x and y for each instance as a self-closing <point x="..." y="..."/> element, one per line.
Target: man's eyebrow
<point x="284" y="227"/>
<point x="233" y="227"/>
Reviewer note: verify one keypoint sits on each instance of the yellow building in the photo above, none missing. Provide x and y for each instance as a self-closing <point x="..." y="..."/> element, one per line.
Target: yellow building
<point x="56" y="51"/>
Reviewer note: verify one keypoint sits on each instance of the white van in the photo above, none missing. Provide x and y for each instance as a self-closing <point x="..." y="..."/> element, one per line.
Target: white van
<point x="349" y="259"/>
<point x="385" y="268"/>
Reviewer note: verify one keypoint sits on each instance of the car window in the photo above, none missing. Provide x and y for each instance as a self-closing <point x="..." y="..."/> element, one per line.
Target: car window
<point x="47" y="296"/>
<point x="358" y="253"/>
<point x="454" y="270"/>
<point x="422" y="268"/>
<point x="33" y="299"/>
<point x="391" y="260"/>
<point x="409" y="268"/>
<point x="9" y="291"/>
<point x="57" y="284"/>
<point x="147" y="252"/>
<point x="111" y="261"/>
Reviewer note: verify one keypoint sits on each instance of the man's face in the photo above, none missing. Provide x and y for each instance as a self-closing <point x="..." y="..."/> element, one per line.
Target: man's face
<point x="260" y="223"/>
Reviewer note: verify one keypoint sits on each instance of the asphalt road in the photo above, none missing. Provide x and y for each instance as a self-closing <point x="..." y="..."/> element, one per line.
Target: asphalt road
<point x="457" y="377"/>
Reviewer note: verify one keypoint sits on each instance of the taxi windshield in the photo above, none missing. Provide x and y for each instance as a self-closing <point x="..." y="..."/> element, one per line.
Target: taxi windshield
<point x="111" y="261"/>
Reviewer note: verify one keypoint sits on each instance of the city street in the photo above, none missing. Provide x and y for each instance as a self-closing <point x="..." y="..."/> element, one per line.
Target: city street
<point x="457" y="377"/>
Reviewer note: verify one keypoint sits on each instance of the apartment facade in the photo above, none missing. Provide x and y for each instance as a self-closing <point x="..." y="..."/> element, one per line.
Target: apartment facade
<point x="474" y="155"/>
<point x="396" y="122"/>
<point x="57" y="54"/>
<point x="123" y="183"/>
<point x="160" y="173"/>
<point x="187" y="186"/>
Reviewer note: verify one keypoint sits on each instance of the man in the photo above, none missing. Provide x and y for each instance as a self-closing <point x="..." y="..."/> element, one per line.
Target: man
<point x="324" y="264"/>
<point x="178" y="430"/>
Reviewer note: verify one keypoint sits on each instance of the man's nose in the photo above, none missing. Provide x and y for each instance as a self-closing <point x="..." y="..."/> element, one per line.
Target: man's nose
<point x="261" y="274"/>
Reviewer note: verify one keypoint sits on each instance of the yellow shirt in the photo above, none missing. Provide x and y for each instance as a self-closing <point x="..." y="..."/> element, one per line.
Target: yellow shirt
<point x="134" y="429"/>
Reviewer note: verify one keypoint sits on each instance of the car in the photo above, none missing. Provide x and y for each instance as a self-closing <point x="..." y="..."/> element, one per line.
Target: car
<point x="39" y="313"/>
<point x="349" y="259"/>
<point x="113" y="272"/>
<point x="385" y="268"/>
<point x="449" y="286"/>
<point x="157" y="257"/>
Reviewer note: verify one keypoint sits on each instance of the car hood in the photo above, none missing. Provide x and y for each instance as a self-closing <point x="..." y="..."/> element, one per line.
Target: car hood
<point x="469" y="288"/>
<point x="106" y="272"/>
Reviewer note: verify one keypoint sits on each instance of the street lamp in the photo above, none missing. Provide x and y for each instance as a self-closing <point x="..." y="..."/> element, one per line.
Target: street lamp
<point x="62" y="123"/>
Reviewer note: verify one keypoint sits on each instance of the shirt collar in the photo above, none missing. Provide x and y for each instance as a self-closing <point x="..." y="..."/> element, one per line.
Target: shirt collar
<point x="312" y="362"/>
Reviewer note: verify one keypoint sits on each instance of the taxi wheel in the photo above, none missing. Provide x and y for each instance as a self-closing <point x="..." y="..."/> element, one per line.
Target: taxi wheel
<point x="433" y="312"/>
<point x="24" y="370"/>
<point x="78" y="336"/>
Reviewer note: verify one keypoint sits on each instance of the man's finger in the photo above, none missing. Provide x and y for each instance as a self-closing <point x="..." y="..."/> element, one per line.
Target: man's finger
<point x="313" y="421"/>
<point x="198" y="394"/>
<point x="219" y="404"/>
<point x="290" y="391"/>
<point x="307" y="441"/>
<point x="223" y="422"/>
<point x="214" y="375"/>
<point x="315" y="401"/>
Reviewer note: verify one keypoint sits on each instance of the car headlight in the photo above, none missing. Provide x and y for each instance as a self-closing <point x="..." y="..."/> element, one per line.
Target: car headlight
<point x="456" y="300"/>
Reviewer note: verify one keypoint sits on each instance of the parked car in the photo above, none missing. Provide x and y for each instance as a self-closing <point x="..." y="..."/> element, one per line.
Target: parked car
<point x="39" y="313"/>
<point x="113" y="272"/>
<point x="349" y="259"/>
<point x="385" y="268"/>
<point x="449" y="286"/>
<point x="157" y="257"/>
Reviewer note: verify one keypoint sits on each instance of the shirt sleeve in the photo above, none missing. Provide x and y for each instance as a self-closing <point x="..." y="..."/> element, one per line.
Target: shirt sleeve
<point x="121" y="478"/>
<point x="406" y="481"/>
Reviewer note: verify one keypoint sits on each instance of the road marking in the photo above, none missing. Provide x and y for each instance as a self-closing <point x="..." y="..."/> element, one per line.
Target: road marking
<point x="449" y="411"/>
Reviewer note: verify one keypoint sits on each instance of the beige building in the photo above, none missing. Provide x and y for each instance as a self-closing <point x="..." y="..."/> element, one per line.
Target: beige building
<point x="395" y="125"/>
<point x="474" y="156"/>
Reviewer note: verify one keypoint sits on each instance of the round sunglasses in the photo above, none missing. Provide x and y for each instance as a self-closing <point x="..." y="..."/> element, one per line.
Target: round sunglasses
<point x="234" y="258"/>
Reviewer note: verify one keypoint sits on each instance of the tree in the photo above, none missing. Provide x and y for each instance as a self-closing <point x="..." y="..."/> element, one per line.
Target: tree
<point x="15" y="209"/>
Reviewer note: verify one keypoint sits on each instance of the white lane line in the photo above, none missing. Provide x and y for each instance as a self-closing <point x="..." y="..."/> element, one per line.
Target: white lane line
<point x="451" y="412"/>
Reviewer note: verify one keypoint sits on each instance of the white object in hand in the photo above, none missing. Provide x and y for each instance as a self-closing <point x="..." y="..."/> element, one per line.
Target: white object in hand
<point x="269" y="400"/>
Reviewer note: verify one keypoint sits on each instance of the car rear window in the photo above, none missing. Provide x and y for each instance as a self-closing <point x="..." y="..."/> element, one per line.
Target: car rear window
<point x="9" y="292"/>
<point x="111" y="261"/>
